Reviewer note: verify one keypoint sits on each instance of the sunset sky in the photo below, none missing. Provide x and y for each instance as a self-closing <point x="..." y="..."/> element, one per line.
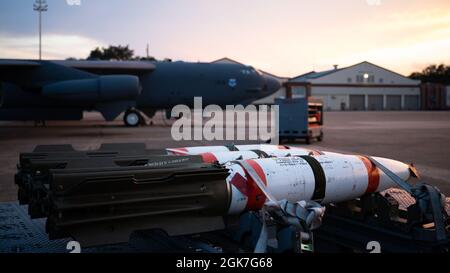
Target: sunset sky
<point x="285" y="37"/>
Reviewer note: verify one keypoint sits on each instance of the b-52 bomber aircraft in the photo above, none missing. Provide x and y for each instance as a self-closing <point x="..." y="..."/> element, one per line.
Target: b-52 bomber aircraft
<point x="62" y="90"/>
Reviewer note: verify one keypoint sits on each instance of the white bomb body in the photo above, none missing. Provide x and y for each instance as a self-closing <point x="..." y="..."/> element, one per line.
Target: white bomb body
<point x="325" y="179"/>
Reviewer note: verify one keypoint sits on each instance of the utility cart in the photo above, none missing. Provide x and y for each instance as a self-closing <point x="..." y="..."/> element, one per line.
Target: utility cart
<point x="300" y="118"/>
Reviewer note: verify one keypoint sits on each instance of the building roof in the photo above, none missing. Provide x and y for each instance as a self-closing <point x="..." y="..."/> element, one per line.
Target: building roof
<point x="315" y="75"/>
<point x="312" y="75"/>
<point x="228" y="60"/>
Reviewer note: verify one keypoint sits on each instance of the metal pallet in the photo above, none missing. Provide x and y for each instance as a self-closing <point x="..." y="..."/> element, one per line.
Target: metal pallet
<point x="339" y="232"/>
<point x="20" y="234"/>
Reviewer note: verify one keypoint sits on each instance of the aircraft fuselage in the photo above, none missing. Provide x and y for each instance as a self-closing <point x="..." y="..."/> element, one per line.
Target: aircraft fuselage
<point x="60" y="90"/>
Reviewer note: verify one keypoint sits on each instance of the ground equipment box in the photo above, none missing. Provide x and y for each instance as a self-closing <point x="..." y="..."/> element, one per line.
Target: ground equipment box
<point x="300" y="118"/>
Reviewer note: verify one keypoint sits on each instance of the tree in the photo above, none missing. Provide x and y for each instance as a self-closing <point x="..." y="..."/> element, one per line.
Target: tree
<point x="434" y="74"/>
<point x="116" y="53"/>
<point x="96" y="54"/>
<point x="150" y="58"/>
<point x="119" y="53"/>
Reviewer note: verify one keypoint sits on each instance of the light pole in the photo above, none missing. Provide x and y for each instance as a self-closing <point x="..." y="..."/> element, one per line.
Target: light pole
<point x="40" y="6"/>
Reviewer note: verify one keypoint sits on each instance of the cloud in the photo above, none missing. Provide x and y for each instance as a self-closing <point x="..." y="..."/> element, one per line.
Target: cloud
<point x="403" y="59"/>
<point x="427" y="18"/>
<point x="54" y="46"/>
<point x="404" y="41"/>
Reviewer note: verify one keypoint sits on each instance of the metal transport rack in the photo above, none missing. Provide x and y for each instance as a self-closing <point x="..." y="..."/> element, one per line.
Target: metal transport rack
<point x="134" y="198"/>
<point x="392" y="220"/>
<point x="346" y="228"/>
<point x="300" y="118"/>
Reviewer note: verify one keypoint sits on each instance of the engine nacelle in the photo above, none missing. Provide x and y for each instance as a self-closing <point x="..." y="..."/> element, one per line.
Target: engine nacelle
<point x="98" y="90"/>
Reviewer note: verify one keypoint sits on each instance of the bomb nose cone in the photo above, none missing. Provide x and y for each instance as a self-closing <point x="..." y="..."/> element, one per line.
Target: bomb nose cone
<point x="399" y="168"/>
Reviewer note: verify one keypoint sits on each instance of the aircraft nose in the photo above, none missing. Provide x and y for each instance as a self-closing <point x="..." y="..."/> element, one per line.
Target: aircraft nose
<point x="272" y="84"/>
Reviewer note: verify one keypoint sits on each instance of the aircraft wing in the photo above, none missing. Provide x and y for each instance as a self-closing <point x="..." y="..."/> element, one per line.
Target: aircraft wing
<point x="10" y="68"/>
<point x="109" y="87"/>
<point x="17" y="64"/>
<point x="95" y="67"/>
<point x="110" y="67"/>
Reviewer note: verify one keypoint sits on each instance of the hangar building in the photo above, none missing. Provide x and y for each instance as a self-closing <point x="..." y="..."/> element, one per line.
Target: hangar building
<point x="362" y="86"/>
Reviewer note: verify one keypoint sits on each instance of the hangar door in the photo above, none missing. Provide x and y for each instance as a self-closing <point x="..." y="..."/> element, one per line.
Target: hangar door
<point x="375" y="102"/>
<point x="411" y="102"/>
<point x="357" y="102"/>
<point x="393" y="102"/>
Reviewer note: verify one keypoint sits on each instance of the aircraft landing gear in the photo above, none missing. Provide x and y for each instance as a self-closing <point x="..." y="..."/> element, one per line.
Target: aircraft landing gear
<point x="132" y="118"/>
<point x="37" y="123"/>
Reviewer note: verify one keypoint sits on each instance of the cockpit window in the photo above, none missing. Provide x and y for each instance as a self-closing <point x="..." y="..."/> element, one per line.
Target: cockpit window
<point x="245" y="71"/>
<point x="249" y="70"/>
